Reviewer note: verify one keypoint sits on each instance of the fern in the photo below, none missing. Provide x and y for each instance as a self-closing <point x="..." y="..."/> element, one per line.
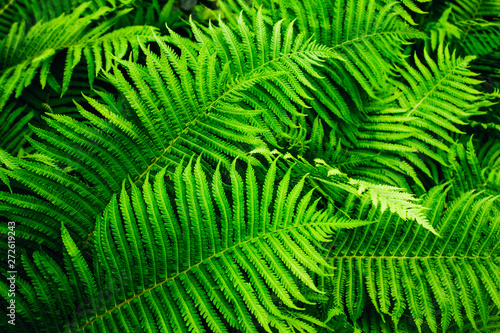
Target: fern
<point x="168" y="173"/>
<point x="367" y="35"/>
<point x="160" y="14"/>
<point x="400" y="125"/>
<point x="436" y="98"/>
<point x="6" y="161"/>
<point x="402" y="269"/>
<point x="14" y="120"/>
<point x="473" y="27"/>
<point x="399" y="267"/>
<point x="152" y="248"/>
<point x="19" y="71"/>
<point x="490" y="165"/>
<point x="337" y="186"/>
<point x="213" y="104"/>
<point x="29" y="49"/>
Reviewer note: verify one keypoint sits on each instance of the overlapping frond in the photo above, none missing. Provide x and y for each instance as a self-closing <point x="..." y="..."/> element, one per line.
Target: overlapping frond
<point x="18" y="115"/>
<point x="34" y="11"/>
<point x="157" y="13"/>
<point x="434" y="98"/>
<point x="473" y="28"/>
<point x="401" y="123"/>
<point x="14" y="121"/>
<point x="368" y="36"/>
<point x="492" y="326"/>
<point x="482" y="38"/>
<point x="465" y="172"/>
<point x="402" y="268"/>
<point x="405" y="8"/>
<point x="6" y="162"/>
<point x="248" y="48"/>
<point x="489" y="159"/>
<point x="473" y="36"/>
<point x="202" y="259"/>
<point x="336" y="186"/>
<point x="446" y="96"/>
<point x="49" y="99"/>
<point x="26" y="53"/>
<point x="170" y="109"/>
<point x="465" y="10"/>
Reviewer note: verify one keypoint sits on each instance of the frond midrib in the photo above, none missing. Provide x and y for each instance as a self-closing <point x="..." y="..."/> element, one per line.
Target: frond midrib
<point x="415" y="257"/>
<point x="416" y="33"/>
<point x="205" y="111"/>
<point x="6" y="6"/>
<point x="438" y="83"/>
<point x="56" y="49"/>
<point x="263" y="236"/>
<point x="469" y="26"/>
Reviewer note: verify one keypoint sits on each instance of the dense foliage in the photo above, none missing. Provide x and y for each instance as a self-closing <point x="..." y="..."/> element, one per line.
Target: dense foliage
<point x="250" y="166"/>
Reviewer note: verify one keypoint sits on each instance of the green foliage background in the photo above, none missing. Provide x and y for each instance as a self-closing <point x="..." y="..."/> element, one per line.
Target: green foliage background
<point x="251" y="166"/>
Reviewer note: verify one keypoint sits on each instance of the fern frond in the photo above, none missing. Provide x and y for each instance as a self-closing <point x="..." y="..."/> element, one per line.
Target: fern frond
<point x="492" y="326"/>
<point x="7" y="161"/>
<point x="464" y="172"/>
<point x="471" y="9"/>
<point x="472" y="27"/>
<point x="24" y="54"/>
<point x="474" y="35"/>
<point x="436" y="99"/>
<point x="482" y="38"/>
<point x="367" y="35"/>
<point x="162" y="258"/>
<point x="251" y="47"/>
<point x="489" y="159"/>
<point x="20" y="60"/>
<point x="404" y="6"/>
<point x="14" y="121"/>
<point x="405" y="269"/>
<point x="387" y="130"/>
<point x="336" y="186"/>
<point x="174" y="107"/>
<point x="32" y="11"/>
<point x="447" y="86"/>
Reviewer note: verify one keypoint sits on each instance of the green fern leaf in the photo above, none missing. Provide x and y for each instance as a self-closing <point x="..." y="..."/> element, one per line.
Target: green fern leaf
<point x="368" y="37"/>
<point x="434" y="278"/>
<point x="157" y="127"/>
<point x="156" y="258"/>
<point x="21" y="59"/>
